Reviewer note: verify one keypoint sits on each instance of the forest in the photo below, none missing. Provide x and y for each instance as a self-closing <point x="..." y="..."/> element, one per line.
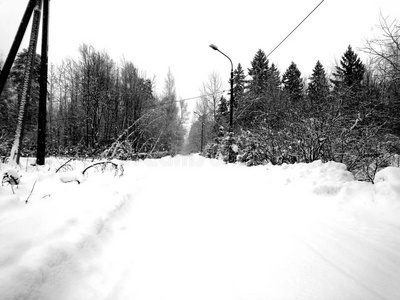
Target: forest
<point x="95" y="105"/>
<point x="99" y="108"/>
<point x="350" y="116"/>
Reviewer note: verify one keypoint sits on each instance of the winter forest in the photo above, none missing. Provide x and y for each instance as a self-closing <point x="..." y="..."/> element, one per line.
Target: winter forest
<point x="99" y="108"/>
<point x="278" y="183"/>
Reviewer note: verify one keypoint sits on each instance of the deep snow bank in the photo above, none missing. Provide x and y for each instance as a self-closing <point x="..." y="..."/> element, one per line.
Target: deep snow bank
<point x="321" y="178"/>
<point x="387" y="183"/>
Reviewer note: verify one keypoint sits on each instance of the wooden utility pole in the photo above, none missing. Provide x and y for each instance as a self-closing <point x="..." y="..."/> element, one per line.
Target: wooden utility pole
<point x="42" y="114"/>
<point x="202" y="136"/>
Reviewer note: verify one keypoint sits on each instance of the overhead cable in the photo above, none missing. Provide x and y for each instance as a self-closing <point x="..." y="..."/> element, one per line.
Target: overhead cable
<point x="295" y="28"/>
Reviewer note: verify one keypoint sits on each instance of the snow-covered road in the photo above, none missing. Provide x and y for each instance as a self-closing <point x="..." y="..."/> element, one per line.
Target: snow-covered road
<point x="193" y="228"/>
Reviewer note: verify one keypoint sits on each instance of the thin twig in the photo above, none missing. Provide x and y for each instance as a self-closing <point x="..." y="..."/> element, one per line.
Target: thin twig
<point x="26" y="201"/>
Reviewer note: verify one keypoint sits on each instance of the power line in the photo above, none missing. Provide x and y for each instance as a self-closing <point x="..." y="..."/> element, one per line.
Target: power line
<point x="155" y="105"/>
<point x="295" y="28"/>
<point x="181" y="100"/>
<point x="205" y="95"/>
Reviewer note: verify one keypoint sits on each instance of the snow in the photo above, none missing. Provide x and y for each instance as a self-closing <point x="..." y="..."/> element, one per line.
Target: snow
<point x="194" y="228"/>
<point x="387" y="182"/>
<point x="71" y="176"/>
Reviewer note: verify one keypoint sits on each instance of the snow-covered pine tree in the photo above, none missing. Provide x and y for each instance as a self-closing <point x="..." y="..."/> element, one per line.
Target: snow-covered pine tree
<point x="318" y="87"/>
<point x="274" y="81"/>
<point x="259" y="72"/>
<point x="293" y="83"/>
<point x="351" y="71"/>
<point x="223" y="112"/>
<point x="347" y="81"/>
<point x="238" y="84"/>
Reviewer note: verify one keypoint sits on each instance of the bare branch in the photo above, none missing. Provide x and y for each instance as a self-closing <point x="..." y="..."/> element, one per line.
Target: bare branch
<point x="63" y="165"/>
<point x="100" y="163"/>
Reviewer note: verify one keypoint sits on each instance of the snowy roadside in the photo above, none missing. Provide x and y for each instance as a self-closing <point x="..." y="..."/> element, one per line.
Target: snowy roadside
<point x="194" y="228"/>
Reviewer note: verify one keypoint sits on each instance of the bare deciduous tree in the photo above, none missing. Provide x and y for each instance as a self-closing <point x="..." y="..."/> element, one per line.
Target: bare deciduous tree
<point x="385" y="49"/>
<point x="211" y="92"/>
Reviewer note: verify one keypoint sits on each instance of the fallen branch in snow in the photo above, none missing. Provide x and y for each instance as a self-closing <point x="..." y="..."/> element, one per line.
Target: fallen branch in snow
<point x="26" y="201"/>
<point x="78" y="176"/>
<point x="63" y="165"/>
<point x="102" y="163"/>
<point x="121" y="168"/>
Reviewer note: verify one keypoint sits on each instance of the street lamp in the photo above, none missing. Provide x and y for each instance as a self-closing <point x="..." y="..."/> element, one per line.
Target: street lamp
<point x="212" y="46"/>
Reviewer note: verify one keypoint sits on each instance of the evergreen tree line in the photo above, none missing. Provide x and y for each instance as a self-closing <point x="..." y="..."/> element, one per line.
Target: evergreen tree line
<point x="352" y="116"/>
<point x="95" y="106"/>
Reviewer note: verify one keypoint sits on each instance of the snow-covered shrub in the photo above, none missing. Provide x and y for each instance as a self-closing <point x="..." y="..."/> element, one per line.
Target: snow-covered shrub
<point x="362" y="147"/>
<point x="310" y="138"/>
<point x="224" y="148"/>
<point x="266" y="146"/>
<point x="11" y="177"/>
<point x="303" y="141"/>
<point x="120" y="150"/>
<point x="252" y="149"/>
<point x="157" y="154"/>
<point x="367" y="151"/>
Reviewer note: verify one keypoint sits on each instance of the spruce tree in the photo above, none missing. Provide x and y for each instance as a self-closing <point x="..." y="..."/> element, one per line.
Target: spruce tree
<point x="223" y="112"/>
<point x="274" y="77"/>
<point x="318" y="87"/>
<point x="351" y="71"/>
<point x="259" y="72"/>
<point x="238" y="84"/>
<point x="348" y="79"/>
<point x="292" y="83"/>
<point x="274" y="81"/>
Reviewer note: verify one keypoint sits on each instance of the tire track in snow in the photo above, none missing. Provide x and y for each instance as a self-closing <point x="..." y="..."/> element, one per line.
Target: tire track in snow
<point x="339" y="269"/>
<point x="56" y="267"/>
<point x="355" y="253"/>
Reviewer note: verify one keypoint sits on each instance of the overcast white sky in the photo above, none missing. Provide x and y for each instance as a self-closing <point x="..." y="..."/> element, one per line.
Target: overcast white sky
<point x="157" y="34"/>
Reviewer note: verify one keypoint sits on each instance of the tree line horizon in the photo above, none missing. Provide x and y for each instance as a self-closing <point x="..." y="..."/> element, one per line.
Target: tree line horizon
<point x="98" y="107"/>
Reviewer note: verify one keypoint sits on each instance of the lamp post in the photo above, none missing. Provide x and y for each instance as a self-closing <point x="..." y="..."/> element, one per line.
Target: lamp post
<point x="212" y="46"/>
